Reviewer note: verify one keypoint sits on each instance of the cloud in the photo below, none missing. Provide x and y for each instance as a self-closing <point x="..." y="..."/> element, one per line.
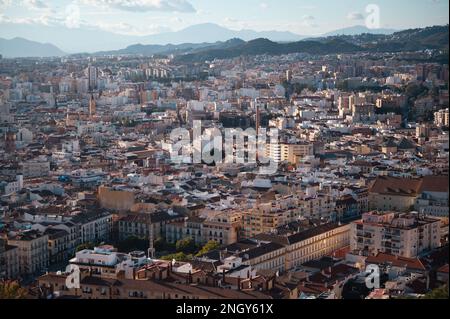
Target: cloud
<point x="263" y="5"/>
<point x="143" y="5"/>
<point x="45" y="19"/>
<point x="35" y="4"/>
<point x="5" y="3"/>
<point x="73" y="17"/>
<point x="308" y="21"/>
<point x="128" y="29"/>
<point x="176" y="20"/>
<point x="355" y="16"/>
<point x="230" y="20"/>
<point x="308" y="18"/>
<point x="307" y="7"/>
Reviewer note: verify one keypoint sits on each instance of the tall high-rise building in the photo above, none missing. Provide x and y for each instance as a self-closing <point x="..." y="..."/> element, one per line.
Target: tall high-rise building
<point x="258" y="117"/>
<point x="92" y="106"/>
<point x="92" y="77"/>
<point x="289" y="75"/>
<point x="10" y="141"/>
<point x="143" y="96"/>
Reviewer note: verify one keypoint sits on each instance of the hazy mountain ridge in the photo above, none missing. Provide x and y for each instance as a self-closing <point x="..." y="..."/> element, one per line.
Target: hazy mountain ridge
<point x="359" y="29"/>
<point x="210" y="33"/>
<point x="94" y="40"/>
<point x="19" y="47"/>
<point x="91" y="41"/>
<point x="436" y="37"/>
<point x="167" y="49"/>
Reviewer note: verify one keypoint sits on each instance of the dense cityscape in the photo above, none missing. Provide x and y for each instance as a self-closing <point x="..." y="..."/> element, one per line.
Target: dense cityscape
<point x="99" y="201"/>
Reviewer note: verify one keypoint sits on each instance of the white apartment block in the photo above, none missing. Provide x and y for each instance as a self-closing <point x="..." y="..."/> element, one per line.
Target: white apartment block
<point x="441" y="118"/>
<point x="402" y="234"/>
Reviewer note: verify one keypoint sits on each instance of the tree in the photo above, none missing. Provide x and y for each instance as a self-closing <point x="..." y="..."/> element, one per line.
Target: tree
<point x="12" y="290"/>
<point x="186" y="245"/>
<point x="162" y="245"/>
<point x="414" y="90"/>
<point x="132" y="244"/>
<point x="177" y="257"/>
<point x="439" y="293"/>
<point x="209" y="246"/>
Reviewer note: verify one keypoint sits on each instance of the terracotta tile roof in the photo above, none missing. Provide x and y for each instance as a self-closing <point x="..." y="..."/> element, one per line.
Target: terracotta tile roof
<point x="396" y="186"/>
<point x="443" y="269"/>
<point x="382" y="258"/>
<point x="434" y="184"/>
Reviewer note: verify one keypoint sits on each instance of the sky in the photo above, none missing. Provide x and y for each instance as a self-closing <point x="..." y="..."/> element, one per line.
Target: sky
<point x="145" y="17"/>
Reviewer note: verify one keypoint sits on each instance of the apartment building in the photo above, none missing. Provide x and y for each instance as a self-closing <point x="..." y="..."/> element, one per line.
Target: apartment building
<point x="394" y="194"/>
<point x="94" y="227"/>
<point x="35" y="168"/>
<point x="265" y="256"/>
<point x="189" y="227"/>
<point x="317" y="207"/>
<point x="222" y="227"/>
<point x="9" y="261"/>
<point x="441" y="118"/>
<point x="433" y="199"/>
<point x="310" y="244"/>
<point x="116" y="200"/>
<point x="106" y="262"/>
<point x="291" y="153"/>
<point x="60" y="246"/>
<point x="428" y="195"/>
<point x="263" y="219"/>
<point x="32" y="250"/>
<point x="108" y="288"/>
<point x="138" y="225"/>
<point x="401" y="234"/>
<point x="2" y="258"/>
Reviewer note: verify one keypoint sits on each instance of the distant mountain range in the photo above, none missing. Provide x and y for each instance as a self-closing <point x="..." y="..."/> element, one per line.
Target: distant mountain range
<point x="167" y="49"/>
<point x="359" y="29"/>
<point x="19" y="47"/>
<point x="91" y="40"/>
<point x="409" y="40"/>
<point x="231" y="46"/>
<point x="210" y="32"/>
<point x="265" y="46"/>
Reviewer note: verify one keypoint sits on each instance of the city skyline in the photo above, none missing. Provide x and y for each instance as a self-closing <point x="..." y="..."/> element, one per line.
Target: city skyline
<point x="237" y="153"/>
<point x="148" y="17"/>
